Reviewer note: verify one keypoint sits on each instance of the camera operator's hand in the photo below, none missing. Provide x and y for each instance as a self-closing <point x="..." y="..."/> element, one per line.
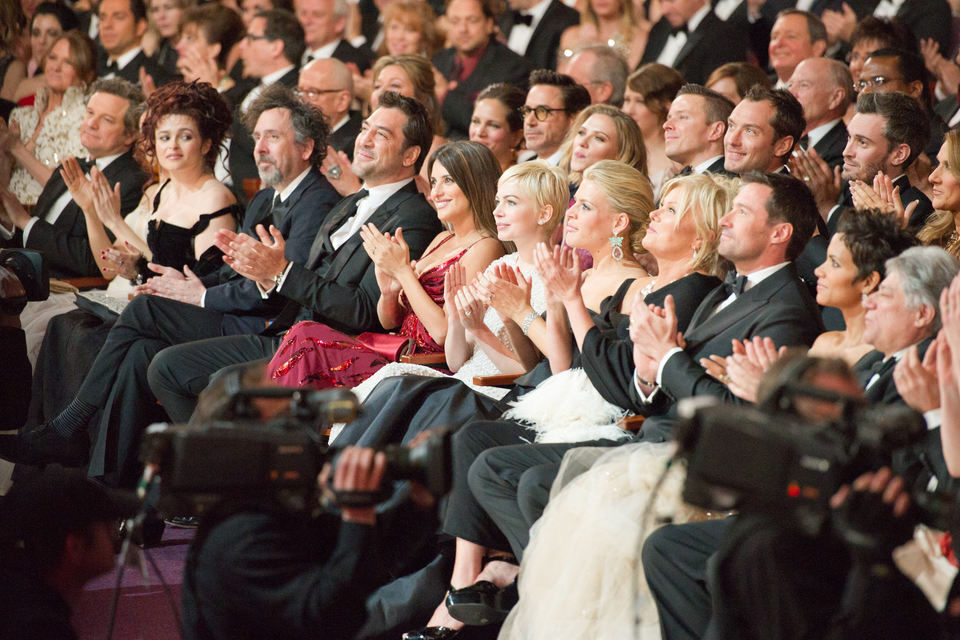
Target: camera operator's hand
<point x="358" y="469"/>
<point x="874" y="516"/>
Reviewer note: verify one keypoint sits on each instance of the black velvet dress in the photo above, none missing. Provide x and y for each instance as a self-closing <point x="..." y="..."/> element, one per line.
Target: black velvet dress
<point x="73" y="339"/>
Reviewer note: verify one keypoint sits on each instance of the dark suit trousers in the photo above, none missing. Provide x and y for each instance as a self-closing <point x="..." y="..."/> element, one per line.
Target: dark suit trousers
<point x="675" y="560"/>
<point x="179" y="373"/>
<point x="512" y="484"/>
<point x="15" y="377"/>
<point x="117" y="380"/>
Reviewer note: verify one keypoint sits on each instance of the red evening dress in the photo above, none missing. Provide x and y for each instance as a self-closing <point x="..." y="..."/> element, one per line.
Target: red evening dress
<point x="315" y="355"/>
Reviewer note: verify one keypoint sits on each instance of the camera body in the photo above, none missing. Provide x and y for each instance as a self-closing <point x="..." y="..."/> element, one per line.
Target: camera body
<point x="770" y="460"/>
<point x="245" y="459"/>
<point x="31" y="270"/>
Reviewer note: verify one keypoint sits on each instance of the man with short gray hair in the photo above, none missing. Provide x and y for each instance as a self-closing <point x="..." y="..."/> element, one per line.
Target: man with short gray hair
<point x="601" y="71"/>
<point x="324" y="23"/>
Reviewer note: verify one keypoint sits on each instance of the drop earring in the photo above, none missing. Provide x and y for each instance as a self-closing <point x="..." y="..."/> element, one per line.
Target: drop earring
<point x="616" y="242"/>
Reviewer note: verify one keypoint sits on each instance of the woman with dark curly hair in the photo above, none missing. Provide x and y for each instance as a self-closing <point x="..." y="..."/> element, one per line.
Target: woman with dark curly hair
<point x="182" y="130"/>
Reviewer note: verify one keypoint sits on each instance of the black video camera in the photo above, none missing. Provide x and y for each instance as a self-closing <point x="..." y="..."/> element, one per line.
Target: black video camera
<point x="29" y="267"/>
<point x="770" y="460"/>
<point x="247" y="459"/>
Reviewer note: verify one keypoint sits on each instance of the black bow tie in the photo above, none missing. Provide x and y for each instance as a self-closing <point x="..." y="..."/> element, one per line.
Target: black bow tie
<point x="681" y="29"/>
<point x="881" y="366"/>
<point x="734" y="284"/>
<point x="686" y="171"/>
<point x="113" y="67"/>
<point x="523" y="18"/>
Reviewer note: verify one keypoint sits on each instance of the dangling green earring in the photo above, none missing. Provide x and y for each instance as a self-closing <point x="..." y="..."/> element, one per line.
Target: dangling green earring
<point x="616" y="242"/>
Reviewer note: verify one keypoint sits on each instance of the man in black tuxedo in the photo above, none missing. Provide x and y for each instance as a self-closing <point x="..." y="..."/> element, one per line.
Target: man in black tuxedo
<point x="694" y="129"/>
<point x="903" y="314"/>
<point x="887" y="132"/>
<point x="825" y="89"/>
<point x="772" y="218"/>
<point x="475" y="61"/>
<point x="184" y="308"/>
<point x="57" y="226"/>
<point x="324" y="23"/>
<point x="533" y="29"/>
<point x="122" y="24"/>
<point x="327" y="84"/>
<point x="693" y="40"/>
<point x="270" y="53"/>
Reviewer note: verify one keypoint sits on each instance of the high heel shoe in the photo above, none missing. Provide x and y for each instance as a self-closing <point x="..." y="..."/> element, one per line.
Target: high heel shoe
<point x="432" y="633"/>
<point x="482" y="603"/>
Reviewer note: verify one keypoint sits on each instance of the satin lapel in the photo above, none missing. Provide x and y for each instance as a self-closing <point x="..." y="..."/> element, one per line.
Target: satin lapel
<point x="263" y="210"/>
<point x="708" y="304"/>
<point x="693" y="40"/>
<point x="321" y="243"/>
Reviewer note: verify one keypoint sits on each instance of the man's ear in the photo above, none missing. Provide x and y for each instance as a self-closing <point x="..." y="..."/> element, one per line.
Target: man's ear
<point x="410" y="155"/>
<point x="716" y="130"/>
<point x="141" y="28"/>
<point x="781" y="233"/>
<point x="819" y="48"/>
<point x="924" y="316"/>
<point x="899" y="155"/>
<point x="307" y="148"/>
<point x="783" y="146"/>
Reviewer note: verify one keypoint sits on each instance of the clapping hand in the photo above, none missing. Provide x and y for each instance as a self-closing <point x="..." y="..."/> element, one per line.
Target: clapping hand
<point x="882" y="196"/>
<point x="183" y="287"/>
<point x="916" y="380"/>
<point x="823" y="182"/>
<point x="106" y="201"/>
<point x="121" y="260"/>
<point x="81" y="189"/>
<point x="390" y="254"/>
<point x="470" y="308"/>
<point x="507" y="291"/>
<point x="560" y="270"/>
<point x="654" y="329"/>
<point x="260" y="261"/>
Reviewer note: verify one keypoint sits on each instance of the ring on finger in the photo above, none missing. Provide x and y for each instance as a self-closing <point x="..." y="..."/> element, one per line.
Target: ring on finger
<point x="335" y="172"/>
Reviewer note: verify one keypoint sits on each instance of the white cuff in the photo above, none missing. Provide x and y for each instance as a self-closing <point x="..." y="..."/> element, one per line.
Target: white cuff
<point x="933" y="418"/>
<point x="26" y="229"/>
<point x="644" y="398"/>
<point x="265" y="293"/>
<point x="5" y="233"/>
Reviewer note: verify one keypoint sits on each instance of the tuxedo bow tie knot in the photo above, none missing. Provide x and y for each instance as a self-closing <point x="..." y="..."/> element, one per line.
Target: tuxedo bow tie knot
<point x="734" y="284"/>
<point x="113" y="67"/>
<point x="523" y="18"/>
<point x="681" y="29"/>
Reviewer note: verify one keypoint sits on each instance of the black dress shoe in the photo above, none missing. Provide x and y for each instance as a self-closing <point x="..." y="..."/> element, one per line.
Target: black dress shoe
<point x="432" y="633"/>
<point x="45" y="446"/>
<point x="481" y="603"/>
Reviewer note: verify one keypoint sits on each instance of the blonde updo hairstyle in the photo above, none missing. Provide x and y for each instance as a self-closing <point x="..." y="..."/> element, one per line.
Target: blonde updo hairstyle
<point x="626" y="190"/>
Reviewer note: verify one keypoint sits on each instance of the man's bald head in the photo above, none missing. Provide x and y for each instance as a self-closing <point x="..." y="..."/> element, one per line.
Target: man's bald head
<point x="327" y="84"/>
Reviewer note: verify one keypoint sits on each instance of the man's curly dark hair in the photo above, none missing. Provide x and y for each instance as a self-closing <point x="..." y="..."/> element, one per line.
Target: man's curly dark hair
<point x="308" y="121"/>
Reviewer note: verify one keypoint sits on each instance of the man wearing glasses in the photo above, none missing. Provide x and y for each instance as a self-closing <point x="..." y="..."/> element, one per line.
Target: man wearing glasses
<point x="270" y="50"/>
<point x="553" y="101"/>
<point x="327" y="84"/>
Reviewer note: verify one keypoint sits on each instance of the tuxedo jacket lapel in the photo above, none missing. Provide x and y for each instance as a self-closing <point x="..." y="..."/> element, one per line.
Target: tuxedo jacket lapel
<point x="693" y="39"/>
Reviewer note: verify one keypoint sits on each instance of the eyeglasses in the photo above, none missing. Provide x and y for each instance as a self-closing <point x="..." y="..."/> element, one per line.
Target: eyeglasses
<point x="875" y="81"/>
<point x="308" y="93"/>
<point x="251" y="36"/>
<point x="540" y="112"/>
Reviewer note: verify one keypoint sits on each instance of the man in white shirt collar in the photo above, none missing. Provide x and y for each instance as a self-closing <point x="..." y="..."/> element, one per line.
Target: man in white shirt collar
<point x="694" y="128"/>
<point x="795" y="36"/>
<point x="109" y="129"/>
<point x="324" y="22"/>
<point x="824" y="89"/>
<point x="122" y="24"/>
<point x="553" y="101"/>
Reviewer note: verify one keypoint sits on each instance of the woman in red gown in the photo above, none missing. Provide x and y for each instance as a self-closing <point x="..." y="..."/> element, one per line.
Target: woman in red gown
<point x="463" y="185"/>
